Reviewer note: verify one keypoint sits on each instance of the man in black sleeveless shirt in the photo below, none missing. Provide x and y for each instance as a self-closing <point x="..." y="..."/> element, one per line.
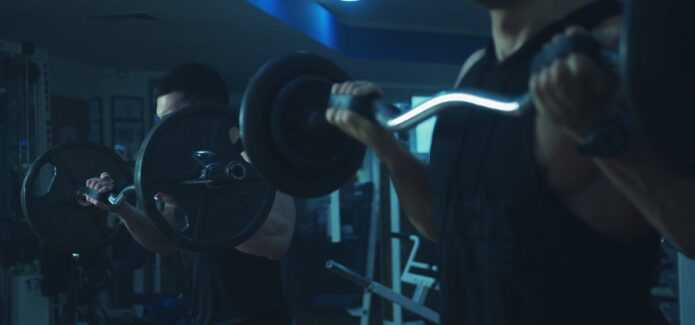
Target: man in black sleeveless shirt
<point x="530" y="230"/>
<point x="242" y="286"/>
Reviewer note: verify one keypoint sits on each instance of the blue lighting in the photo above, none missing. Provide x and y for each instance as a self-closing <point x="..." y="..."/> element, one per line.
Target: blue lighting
<point x="315" y="21"/>
<point x="305" y="15"/>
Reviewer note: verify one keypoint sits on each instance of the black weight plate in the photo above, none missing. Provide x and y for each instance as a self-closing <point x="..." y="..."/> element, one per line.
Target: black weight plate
<point x="284" y="130"/>
<point x="303" y="141"/>
<point x="658" y="74"/>
<point x="219" y="218"/>
<point x="54" y="214"/>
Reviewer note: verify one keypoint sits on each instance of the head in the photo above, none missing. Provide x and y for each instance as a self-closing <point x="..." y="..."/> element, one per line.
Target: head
<point x="190" y="84"/>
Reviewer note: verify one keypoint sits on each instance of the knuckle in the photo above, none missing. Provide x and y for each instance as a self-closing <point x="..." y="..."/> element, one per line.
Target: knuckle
<point x="574" y="29"/>
<point x="557" y="73"/>
<point x="543" y="79"/>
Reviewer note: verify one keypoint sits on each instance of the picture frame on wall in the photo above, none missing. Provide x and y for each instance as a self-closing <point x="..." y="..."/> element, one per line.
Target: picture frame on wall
<point x="127" y="125"/>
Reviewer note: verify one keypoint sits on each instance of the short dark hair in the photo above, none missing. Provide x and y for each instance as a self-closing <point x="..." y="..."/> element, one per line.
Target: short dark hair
<point x="198" y="82"/>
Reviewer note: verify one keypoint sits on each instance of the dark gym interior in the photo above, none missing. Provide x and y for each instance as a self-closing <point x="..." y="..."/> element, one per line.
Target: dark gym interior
<point x="347" y="162"/>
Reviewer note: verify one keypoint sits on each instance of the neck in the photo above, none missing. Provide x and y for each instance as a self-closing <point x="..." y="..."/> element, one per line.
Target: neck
<point x="513" y="26"/>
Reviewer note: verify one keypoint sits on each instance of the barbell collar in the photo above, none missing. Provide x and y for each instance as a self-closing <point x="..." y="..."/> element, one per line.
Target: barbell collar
<point x="117" y="199"/>
<point x="235" y="170"/>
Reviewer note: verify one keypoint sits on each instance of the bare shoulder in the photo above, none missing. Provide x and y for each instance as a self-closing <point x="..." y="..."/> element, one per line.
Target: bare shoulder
<point x="470" y="62"/>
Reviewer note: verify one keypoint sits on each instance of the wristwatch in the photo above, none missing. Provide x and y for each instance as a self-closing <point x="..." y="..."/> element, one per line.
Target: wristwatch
<point x="608" y="138"/>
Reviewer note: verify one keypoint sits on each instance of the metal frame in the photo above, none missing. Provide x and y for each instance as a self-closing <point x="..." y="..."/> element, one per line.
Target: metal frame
<point x="333" y="220"/>
<point x="686" y="289"/>
<point x="384" y="292"/>
<point x="395" y="227"/>
<point x="423" y="284"/>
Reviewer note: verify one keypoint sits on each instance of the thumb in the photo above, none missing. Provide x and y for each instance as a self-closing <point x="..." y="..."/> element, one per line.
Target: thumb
<point x="105" y="176"/>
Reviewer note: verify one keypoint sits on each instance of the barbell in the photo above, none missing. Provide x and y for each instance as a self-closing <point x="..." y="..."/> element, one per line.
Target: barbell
<point x="293" y="147"/>
<point x="189" y="156"/>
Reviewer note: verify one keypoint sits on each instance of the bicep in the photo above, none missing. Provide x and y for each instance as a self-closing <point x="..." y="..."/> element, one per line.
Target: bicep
<point x="608" y="210"/>
<point x="282" y="216"/>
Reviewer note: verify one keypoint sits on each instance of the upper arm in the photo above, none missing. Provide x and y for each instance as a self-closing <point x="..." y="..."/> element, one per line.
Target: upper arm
<point x="280" y="220"/>
<point x="604" y="207"/>
<point x="470" y="62"/>
<point x="283" y="213"/>
<point x="273" y="238"/>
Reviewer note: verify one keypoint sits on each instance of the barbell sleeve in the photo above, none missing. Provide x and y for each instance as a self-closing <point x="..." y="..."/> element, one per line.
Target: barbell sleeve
<point x="385" y="113"/>
<point x="117" y="199"/>
<point x="393" y="119"/>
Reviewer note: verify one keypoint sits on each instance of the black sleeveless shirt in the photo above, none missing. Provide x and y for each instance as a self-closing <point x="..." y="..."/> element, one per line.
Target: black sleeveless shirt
<point x="510" y="252"/>
<point x="235" y="288"/>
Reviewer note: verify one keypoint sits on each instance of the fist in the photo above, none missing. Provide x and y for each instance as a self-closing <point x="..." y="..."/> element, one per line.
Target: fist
<point x="356" y="126"/>
<point x="574" y="92"/>
<point x="101" y="184"/>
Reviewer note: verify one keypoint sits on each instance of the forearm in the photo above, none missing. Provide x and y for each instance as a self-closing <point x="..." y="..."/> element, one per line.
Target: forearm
<point x="665" y="198"/>
<point x="144" y="231"/>
<point x="409" y="177"/>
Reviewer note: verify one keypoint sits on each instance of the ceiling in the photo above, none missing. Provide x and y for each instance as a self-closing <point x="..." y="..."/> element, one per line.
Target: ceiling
<point x="443" y="16"/>
<point x="232" y="35"/>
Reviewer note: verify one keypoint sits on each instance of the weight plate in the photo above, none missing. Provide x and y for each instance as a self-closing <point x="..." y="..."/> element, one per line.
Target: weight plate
<point x="284" y="130"/>
<point x="49" y="197"/>
<point x="219" y="216"/>
<point x="659" y="76"/>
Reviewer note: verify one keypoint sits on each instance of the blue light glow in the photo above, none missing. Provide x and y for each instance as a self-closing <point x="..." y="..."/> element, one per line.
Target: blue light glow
<point x="315" y="21"/>
<point x="305" y="15"/>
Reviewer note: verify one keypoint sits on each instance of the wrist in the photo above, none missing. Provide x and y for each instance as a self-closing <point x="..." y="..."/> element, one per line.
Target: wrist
<point x="580" y="131"/>
<point x="607" y="138"/>
<point x="387" y="150"/>
<point x="123" y="211"/>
